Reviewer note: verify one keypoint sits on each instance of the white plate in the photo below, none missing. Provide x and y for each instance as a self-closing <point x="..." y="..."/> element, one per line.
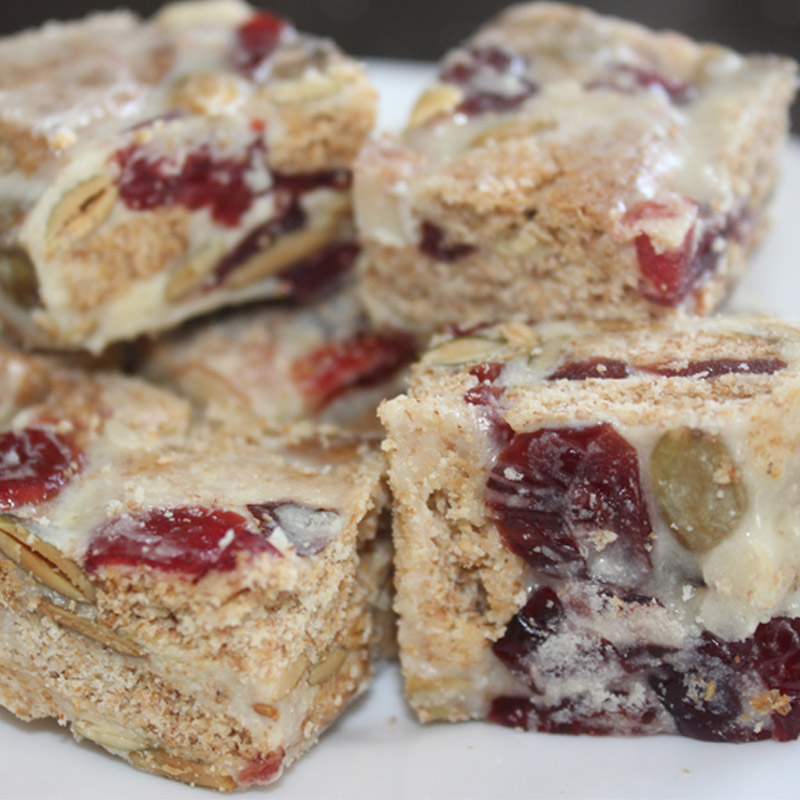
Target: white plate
<point x="379" y="751"/>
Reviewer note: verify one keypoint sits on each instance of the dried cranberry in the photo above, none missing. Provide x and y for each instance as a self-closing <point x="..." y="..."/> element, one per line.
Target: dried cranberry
<point x="713" y="368"/>
<point x="34" y="465"/>
<point x="463" y="66"/>
<point x="486" y="395"/>
<point x="434" y="244"/>
<point x="310" y="530"/>
<point x="480" y="66"/>
<point x="628" y="79"/>
<point x="261" y="770"/>
<point x="187" y="540"/>
<point x="552" y="487"/>
<point x="702" y="709"/>
<point x="202" y="181"/>
<point x="513" y="712"/>
<point x="668" y="276"/>
<point x="256" y="40"/>
<point x="320" y="273"/>
<point x="365" y="359"/>
<point x="591" y="368"/>
<point x="528" y="630"/>
<point x="297" y="184"/>
<point x="776" y="653"/>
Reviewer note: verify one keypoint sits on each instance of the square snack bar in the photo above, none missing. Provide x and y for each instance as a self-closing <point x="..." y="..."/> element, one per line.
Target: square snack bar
<point x="199" y="603"/>
<point x="571" y="166"/>
<point x="597" y="529"/>
<point x="154" y="170"/>
<point x="284" y="367"/>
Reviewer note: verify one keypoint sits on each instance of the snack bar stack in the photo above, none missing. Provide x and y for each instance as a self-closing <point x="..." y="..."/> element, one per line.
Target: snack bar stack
<point x="151" y="171"/>
<point x="285" y="368"/>
<point x="566" y="165"/>
<point x="200" y="603"/>
<point x="597" y="528"/>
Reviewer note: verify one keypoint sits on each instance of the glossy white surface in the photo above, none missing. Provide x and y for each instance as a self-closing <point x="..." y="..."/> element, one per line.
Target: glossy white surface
<point x="379" y="751"/>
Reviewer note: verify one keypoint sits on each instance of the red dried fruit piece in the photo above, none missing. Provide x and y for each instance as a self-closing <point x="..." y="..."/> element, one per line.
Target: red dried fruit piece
<point x="202" y="181"/>
<point x="711" y="716"/>
<point x="262" y="770"/>
<point x="550" y="490"/>
<point x="628" y="79"/>
<point x="434" y="244"/>
<point x="34" y="465"/>
<point x="533" y="624"/>
<point x="310" y="530"/>
<point x="480" y="66"/>
<point x="486" y="395"/>
<point x="668" y="276"/>
<point x="365" y="359"/>
<point x="256" y="40"/>
<point x="591" y="368"/>
<point x="713" y="368"/>
<point x="318" y="275"/>
<point x="189" y="540"/>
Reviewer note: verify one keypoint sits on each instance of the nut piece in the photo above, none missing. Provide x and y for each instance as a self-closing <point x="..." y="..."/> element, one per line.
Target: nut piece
<point x="290" y="678"/>
<point x="328" y="667"/>
<point x="91" y="630"/>
<point x="436" y="101"/>
<point x="108" y="734"/>
<point x="212" y="93"/>
<point x="44" y="562"/>
<point x="192" y="271"/>
<point x="81" y="210"/>
<point x="180" y="769"/>
<point x="698" y="487"/>
<point x="514" y="129"/>
<point x="287" y="249"/>
<point x="18" y="277"/>
<point x="466" y="350"/>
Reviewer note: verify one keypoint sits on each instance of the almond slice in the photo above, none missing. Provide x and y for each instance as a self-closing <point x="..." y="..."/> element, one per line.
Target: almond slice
<point x="91" y="630"/>
<point x="81" y="210"/>
<point x="290" y="678"/>
<point x="287" y="250"/>
<point x="192" y="271"/>
<point x="46" y="563"/>
<point x="466" y="350"/>
<point x="18" y="277"/>
<point x="514" y="129"/>
<point x="180" y="769"/>
<point x="328" y="667"/>
<point x="435" y="102"/>
<point x="108" y="734"/>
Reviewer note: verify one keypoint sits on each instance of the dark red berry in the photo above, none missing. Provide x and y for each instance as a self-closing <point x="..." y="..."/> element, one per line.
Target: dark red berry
<point x="256" y="40"/>
<point x="261" y="770"/>
<point x="713" y="368"/>
<point x="434" y="244"/>
<point x="335" y="368"/>
<point x="321" y="273"/>
<point x="628" y="79"/>
<point x="534" y="624"/>
<point x="476" y="67"/>
<point x="591" y="368"/>
<point x="513" y="712"/>
<point x="188" y="540"/>
<point x="34" y="465"/>
<point x="487" y="397"/>
<point x="550" y="488"/>
<point x="202" y="181"/>
<point x="668" y="276"/>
